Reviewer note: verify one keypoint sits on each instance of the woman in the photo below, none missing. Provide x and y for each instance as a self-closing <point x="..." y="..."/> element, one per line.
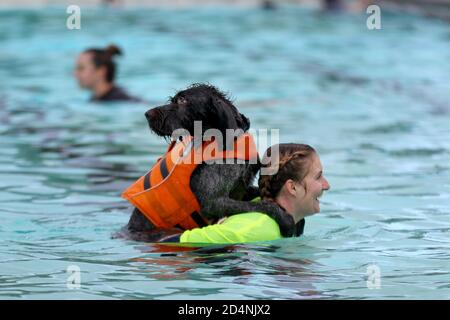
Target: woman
<point x="96" y="70"/>
<point x="296" y="187"/>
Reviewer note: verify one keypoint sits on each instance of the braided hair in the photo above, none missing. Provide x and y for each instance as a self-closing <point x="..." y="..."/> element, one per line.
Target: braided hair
<point x="292" y="161"/>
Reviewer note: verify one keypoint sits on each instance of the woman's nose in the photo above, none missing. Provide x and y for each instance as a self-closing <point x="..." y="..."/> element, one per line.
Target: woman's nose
<point x="325" y="184"/>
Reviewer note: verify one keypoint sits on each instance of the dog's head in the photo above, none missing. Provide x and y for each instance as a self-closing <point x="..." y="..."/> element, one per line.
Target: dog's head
<point x="199" y="102"/>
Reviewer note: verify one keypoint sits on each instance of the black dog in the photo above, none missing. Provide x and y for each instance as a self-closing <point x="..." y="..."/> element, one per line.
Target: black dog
<point x="221" y="189"/>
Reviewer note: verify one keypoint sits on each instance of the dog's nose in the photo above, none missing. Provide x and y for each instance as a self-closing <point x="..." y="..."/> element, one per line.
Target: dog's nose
<point x="150" y="113"/>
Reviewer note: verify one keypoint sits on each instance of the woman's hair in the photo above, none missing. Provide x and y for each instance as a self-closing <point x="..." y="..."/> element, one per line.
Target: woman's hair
<point x="293" y="162"/>
<point x="104" y="57"/>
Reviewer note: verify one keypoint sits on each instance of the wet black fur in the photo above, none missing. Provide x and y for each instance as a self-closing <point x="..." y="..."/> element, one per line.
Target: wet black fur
<point x="221" y="189"/>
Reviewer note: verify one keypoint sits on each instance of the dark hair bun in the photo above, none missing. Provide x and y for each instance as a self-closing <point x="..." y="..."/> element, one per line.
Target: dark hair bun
<point x="113" y="50"/>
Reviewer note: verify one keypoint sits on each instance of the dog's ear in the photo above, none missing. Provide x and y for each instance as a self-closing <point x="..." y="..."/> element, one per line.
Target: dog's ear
<point x="244" y="122"/>
<point x="228" y="117"/>
<point x="225" y="115"/>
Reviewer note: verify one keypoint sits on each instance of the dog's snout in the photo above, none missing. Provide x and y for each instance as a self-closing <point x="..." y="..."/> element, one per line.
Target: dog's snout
<point x="150" y="113"/>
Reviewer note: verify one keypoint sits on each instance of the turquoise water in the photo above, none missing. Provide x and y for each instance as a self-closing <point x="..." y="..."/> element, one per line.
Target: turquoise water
<point x="375" y="104"/>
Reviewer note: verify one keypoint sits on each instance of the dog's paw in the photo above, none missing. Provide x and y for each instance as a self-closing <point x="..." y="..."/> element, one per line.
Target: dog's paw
<point x="285" y="220"/>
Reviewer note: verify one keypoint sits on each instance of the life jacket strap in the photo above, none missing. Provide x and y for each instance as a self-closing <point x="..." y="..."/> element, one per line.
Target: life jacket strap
<point x="164" y="173"/>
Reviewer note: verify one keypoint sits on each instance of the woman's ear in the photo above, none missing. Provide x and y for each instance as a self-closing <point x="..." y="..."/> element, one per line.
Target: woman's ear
<point x="102" y="71"/>
<point x="290" y="187"/>
<point x="294" y="188"/>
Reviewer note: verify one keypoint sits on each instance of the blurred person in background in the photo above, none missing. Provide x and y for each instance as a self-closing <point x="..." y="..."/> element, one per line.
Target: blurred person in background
<point x="95" y="71"/>
<point x="342" y="5"/>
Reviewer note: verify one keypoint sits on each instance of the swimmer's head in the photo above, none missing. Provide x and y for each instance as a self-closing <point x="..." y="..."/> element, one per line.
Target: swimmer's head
<point x="298" y="183"/>
<point x="96" y="66"/>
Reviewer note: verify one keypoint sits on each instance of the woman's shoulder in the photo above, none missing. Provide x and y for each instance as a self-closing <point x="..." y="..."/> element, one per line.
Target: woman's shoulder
<point x="239" y="228"/>
<point x="256" y="225"/>
<point x="251" y="217"/>
<point x="117" y="94"/>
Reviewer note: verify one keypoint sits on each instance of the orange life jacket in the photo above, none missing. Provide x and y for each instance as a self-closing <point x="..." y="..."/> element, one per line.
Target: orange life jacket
<point x="164" y="194"/>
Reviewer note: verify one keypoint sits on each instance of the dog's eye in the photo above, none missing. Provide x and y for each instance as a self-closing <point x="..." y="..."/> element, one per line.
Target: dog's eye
<point x="181" y="100"/>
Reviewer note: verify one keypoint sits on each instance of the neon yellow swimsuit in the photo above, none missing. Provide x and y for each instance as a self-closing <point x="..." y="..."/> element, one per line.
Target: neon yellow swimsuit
<point x="239" y="228"/>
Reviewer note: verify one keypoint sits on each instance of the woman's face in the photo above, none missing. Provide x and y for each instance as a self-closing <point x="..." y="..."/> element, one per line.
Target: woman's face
<point x="86" y="73"/>
<point x="311" y="188"/>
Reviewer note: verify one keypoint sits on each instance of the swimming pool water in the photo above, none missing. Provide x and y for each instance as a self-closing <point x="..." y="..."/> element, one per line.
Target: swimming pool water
<point x="375" y="104"/>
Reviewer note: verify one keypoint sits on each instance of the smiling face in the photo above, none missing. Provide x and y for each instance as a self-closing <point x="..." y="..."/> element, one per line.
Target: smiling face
<point x="301" y="197"/>
<point x="310" y="189"/>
